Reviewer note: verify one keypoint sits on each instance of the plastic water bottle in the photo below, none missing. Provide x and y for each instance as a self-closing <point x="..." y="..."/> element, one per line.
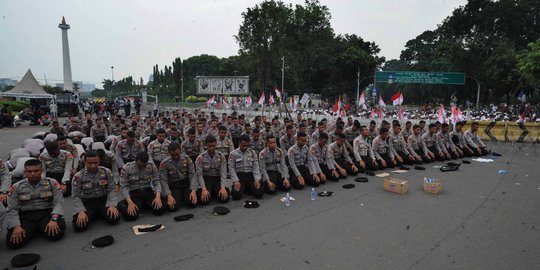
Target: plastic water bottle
<point x="313" y="194"/>
<point x="287" y="199"/>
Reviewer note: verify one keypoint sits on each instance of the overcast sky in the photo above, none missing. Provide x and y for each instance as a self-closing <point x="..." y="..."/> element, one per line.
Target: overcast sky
<point x="134" y="35"/>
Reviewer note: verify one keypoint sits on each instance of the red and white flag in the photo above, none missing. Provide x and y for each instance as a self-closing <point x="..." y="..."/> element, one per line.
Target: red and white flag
<point x="372" y="113"/>
<point x="278" y="93"/>
<point x="362" y="99"/>
<point x="248" y="101"/>
<point x="381" y="102"/>
<point x="210" y="101"/>
<point x="397" y="98"/>
<point x="441" y="114"/>
<point x="380" y="113"/>
<point x="262" y="99"/>
<point x="271" y="100"/>
<point x="225" y="102"/>
<point x="337" y="106"/>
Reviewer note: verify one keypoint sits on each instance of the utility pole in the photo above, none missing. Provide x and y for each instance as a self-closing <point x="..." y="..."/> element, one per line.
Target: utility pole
<point x="282" y="74"/>
<point x="182" y="82"/>
<point x="112" y="82"/>
<point x="357" y="87"/>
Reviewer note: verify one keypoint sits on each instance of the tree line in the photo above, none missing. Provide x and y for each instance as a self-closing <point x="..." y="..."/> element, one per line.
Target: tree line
<point x="496" y="43"/>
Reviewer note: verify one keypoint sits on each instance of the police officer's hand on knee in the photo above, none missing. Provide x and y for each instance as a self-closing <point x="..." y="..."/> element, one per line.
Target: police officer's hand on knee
<point x="335" y="173"/>
<point x="132" y="208"/>
<point x="286" y="183"/>
<point x="354" y="168"/>
<point x="270" y="185"/>
<point x="157" y="201"/>
<point x="112" y="212"/>
<point x="171" y="202"/>
<point x="193" y="196"/>
<point x="399" y="159"/>
<point x="322" y="176"/>
<point x="383" y="162"/>
<point x="82" y="219"/>
<point x="362" y="164"/>
<point x="236" y="185"/>
<point x="17" y="234"/>
<point x="205" y="195"/>
<point x="223" y="193"/>
<point x="257" y="184"/>
<point x="316" y="178"/>
<point x="301" y="180"/>
<point x="342" y="171"/>
<point x="52" y="228"/>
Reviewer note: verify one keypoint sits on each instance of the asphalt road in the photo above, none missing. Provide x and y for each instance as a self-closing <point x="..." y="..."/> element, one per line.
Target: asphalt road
<point x="482" y="220"/>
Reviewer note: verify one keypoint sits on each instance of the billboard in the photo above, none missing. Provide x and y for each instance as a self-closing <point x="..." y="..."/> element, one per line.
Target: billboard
<point x="222" y="85"/>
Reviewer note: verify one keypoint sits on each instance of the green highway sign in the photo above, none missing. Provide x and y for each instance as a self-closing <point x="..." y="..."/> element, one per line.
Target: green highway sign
<point x="419" y="77"/>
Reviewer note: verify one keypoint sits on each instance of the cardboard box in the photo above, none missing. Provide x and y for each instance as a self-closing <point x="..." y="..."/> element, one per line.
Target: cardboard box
<point x="433" y="186"/>
<point x="396" y="185"/>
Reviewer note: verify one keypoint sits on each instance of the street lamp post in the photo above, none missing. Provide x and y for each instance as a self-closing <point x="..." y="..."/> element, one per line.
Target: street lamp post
<point x="477" y="91"/>
<point x="112" y="81"/>
<point x="282" y="74"/>
<point x="357" y="87"/>
<point x="182" y="82"/>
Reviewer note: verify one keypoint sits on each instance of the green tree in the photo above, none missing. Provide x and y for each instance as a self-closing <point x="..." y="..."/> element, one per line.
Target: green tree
<point x="529" y="64"/>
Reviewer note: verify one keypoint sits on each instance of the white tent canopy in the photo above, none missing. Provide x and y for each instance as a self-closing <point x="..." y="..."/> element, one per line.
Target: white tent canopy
<point x="28" y="87"/>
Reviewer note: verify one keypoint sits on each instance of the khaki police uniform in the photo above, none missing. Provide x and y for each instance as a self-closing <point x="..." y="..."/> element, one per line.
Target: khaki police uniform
<point x="363" y="151"/>
<point x="459" y="141"/>
<point x="125" y="152"/>
<point x="474" y="142"/>
<point x="339" y="155"/>
<point x="178" y="179"/>
<point x="401" y="148"/>
<point x="158" y="151"/>
<point x="58" y="168"/>
<point x="430" y="140"/>
<point x="93" y="193"/>
<point x="273" y="169"/>
<point x="384" y="151"/>
<point x="417" y="147"/>
<point x="211" y="173"/>
<point x="140" y="185"/>
<point x="324" y="163"/>
<point x="446" y="144"/>
<point x="301" y="164"/>
<point x="32" y="207"/>
<point x="244" y="168"/>
<point x="192" y="149"/>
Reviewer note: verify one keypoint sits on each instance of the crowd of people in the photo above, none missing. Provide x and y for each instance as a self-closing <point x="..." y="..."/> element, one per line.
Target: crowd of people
<point x="120" y="165"/>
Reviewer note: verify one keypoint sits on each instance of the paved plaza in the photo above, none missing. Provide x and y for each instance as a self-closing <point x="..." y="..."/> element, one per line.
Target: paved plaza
<point x="482" y="220"/>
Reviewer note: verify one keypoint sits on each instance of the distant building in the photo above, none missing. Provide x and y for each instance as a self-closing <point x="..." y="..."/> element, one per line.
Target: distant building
<point x="82" y="86"/>
<point x="6" y="82"/>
